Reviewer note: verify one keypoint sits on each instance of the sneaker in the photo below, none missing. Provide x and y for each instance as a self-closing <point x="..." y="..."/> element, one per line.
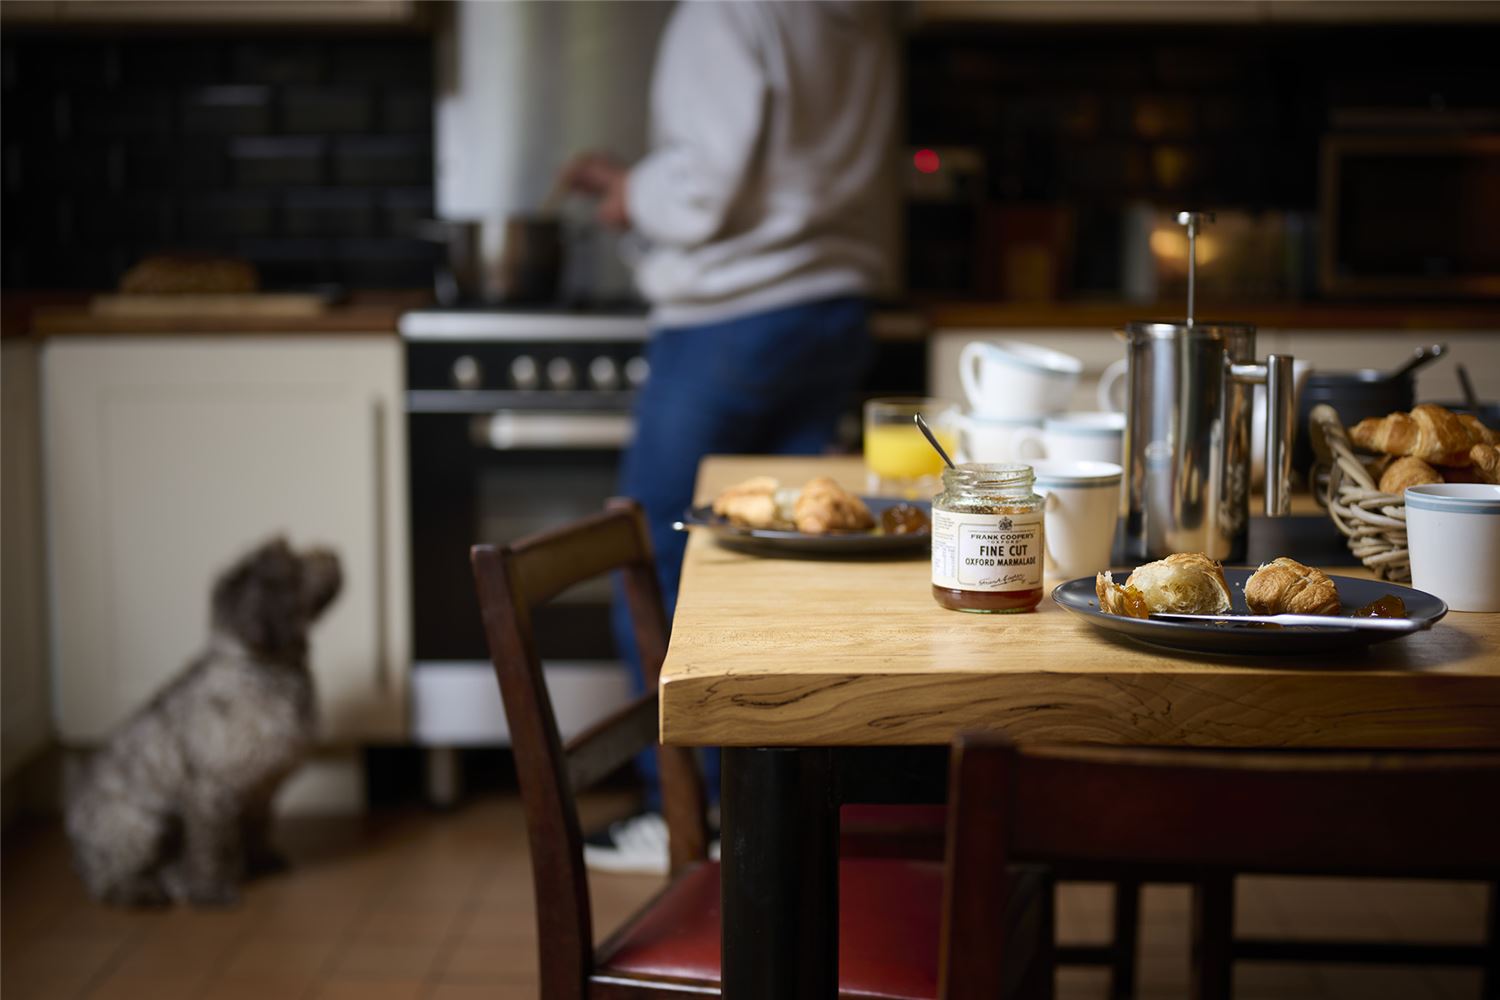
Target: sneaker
<point x="636" y="844"/>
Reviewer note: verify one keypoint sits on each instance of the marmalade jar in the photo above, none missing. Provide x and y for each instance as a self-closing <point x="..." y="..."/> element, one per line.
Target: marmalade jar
<point x="987" y="540"/>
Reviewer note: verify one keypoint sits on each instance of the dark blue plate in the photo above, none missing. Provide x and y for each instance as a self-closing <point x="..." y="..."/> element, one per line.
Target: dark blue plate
<point x="838" y="543"/>
<point x="1078" y="597"/>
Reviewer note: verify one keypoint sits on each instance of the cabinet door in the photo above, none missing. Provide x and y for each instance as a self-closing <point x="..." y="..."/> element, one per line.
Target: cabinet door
<point x="168" y="458"/>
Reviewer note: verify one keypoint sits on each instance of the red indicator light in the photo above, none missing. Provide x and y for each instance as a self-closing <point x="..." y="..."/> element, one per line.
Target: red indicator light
<point x="926" y="161"/>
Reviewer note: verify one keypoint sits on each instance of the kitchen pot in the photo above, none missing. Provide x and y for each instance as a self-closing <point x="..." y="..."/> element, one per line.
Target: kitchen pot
<point x="1367" y="392"/>
<point x="517" y="259"/>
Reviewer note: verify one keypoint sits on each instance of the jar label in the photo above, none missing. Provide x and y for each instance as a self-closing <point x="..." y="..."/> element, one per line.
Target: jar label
<point x="986" y="552"/>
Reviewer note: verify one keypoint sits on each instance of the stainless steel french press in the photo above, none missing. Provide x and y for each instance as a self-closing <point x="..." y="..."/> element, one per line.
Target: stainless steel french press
<point x="1187" y="432"/>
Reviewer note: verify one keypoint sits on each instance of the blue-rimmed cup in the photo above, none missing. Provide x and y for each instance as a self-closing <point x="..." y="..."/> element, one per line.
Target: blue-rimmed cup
<point x="1453" y="535"/>
<point x="1082" y="507"/>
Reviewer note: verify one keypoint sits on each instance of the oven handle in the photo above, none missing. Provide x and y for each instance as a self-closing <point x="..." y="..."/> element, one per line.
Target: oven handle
<point x="511" y="430"/>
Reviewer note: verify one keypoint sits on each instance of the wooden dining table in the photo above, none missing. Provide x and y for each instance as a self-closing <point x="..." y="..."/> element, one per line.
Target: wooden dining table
<point x="833" y="681"/>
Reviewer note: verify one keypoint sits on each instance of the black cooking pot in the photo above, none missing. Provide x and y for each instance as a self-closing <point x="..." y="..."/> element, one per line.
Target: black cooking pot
<point x="1356" y="395"/>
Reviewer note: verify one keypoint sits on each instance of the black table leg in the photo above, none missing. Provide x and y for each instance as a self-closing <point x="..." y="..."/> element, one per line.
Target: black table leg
<point x="779" y="844"/>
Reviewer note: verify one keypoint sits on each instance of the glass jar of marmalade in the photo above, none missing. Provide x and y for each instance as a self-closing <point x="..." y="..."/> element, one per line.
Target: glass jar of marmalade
<point x="987" y="546"/>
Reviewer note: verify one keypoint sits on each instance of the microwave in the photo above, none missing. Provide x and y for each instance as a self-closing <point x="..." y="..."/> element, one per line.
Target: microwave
<point x="1414" y="215"/>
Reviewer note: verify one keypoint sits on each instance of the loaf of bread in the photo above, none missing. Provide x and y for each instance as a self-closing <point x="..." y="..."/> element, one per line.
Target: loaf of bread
<point x="166" y="274"/>
<point x="1286" y="587"/>
<point x="1431" y="433"/>
<point x="1187" y="583"/>
<point x="1407" y="471"/>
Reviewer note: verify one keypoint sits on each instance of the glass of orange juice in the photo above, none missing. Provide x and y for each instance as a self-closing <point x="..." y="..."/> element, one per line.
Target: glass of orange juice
<point x="898" y="460"/>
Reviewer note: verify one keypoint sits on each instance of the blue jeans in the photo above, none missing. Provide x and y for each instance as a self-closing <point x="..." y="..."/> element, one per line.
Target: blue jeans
<point x="771" y="383"/>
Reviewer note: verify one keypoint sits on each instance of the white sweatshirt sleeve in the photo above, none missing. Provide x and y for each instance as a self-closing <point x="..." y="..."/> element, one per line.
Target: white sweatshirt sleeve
<point x="708" y="99"/>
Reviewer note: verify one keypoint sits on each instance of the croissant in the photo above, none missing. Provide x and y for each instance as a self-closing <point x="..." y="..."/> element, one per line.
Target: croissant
<point x="1285" y="586"/>
<point x="1407" y="471"/>
<point x="1486" y="459"/>
<point x="1480" y="433"/>
<point x="1428" y="432"/>
<point x="1187" y="583"/>
<point x="826" y="506"/>
<point x="751" y="504"/>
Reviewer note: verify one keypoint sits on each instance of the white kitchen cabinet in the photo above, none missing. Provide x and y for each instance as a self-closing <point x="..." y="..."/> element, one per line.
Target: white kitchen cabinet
<point x="168" y="457"/>
<point x="25" y="723"/>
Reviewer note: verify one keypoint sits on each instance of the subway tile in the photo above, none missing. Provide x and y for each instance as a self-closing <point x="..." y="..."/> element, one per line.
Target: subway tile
<point x="392" y="160"/>
<point x="402" y="210"/>
<point x="227" y="110"/>
<point x="277" y="161"/>
<point x="278" y="61"/>
<point x="406" y="110"/>
<point x="328" y="212"/>
<point x="383" y="62"/>
<point x="327" y="109"/>
<point x="227" y="214"/>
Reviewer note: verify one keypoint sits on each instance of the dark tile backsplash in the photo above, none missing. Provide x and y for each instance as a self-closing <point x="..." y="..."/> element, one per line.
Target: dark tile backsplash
<point x="310" y="157"/>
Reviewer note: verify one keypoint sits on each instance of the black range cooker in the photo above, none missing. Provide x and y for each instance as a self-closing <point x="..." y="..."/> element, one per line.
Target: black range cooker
<point x="516" y="422"/>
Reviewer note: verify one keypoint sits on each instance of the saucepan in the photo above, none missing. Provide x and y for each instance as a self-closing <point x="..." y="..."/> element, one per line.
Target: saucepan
<point x="515" y="259"/>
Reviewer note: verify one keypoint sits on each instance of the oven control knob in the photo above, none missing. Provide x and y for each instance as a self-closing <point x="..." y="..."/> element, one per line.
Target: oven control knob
<point x="468" y="373"/>
<point x="636" y="370"/>
<point x="560" y="374"/>
<point x="604" y="373"/>
<point x="523" y="372"/>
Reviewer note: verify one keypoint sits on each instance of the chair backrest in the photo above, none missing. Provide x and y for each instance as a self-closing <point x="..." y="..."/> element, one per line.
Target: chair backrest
<point x="512" y="582"/>
<point x="1410" y="813"/>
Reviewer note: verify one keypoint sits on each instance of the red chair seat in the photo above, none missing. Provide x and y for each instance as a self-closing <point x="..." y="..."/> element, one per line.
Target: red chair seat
<point x="889" y="920"/>
<point x="893" y="831"/>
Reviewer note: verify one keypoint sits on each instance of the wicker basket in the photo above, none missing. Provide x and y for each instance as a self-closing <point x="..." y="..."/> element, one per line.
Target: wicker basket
<point x="1374" y="523"/>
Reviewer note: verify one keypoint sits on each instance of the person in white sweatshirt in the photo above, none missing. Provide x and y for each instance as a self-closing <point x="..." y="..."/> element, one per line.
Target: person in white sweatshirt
<point x="767" y="204"/>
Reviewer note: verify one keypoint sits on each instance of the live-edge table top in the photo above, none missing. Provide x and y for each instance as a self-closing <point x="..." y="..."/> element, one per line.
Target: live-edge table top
<point x="812" y="652"/>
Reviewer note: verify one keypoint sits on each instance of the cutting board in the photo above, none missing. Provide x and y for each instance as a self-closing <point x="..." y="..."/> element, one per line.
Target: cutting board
<point x="286" y="305"/>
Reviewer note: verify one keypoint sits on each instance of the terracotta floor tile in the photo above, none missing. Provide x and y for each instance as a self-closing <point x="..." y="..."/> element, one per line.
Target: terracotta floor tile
<point x="480" y="991"/>
<point x="412" y="927"/>
<point x="500" y="961"/>
<point x="392" y="960"/>
<point x="370" y="989"/>
<point x="128" y="987"/>
<point x="261" y="959"/>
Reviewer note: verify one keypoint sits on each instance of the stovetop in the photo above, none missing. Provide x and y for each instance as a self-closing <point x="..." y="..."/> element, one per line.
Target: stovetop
<point x="541" y="324"/>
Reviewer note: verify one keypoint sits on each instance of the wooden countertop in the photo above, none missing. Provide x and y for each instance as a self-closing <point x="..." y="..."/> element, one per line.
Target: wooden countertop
<point x="801" y="652"/>
<point x="1280" y="316"/>
<point x="52" y="315"/>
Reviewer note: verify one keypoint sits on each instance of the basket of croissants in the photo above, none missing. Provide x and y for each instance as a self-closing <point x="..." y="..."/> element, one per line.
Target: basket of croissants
<point x="1370" y="466"/>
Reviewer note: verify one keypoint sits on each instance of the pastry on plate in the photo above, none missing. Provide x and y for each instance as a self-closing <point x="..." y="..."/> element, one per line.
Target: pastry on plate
<point x="826" y="506"/>
<point x="1188" y="583"/>
<point x="1286" y="587"/>
<point x="1431" y="433"/>
<point x="1407" y="471"/>
<point x="751" y="504"/>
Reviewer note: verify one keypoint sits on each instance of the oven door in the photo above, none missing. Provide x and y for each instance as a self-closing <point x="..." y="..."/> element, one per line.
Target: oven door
<point x="496" y="475"/>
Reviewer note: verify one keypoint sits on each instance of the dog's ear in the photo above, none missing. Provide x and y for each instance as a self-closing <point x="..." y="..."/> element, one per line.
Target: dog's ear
<point x="260" y="600"/>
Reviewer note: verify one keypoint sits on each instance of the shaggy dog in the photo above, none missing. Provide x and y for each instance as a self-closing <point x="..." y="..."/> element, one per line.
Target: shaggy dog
<point x="177" y="804"/>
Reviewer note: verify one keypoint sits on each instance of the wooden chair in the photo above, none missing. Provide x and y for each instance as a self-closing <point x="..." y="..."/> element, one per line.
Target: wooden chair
<point x="888" y="909"/>
<point x="1201" y="816"/>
